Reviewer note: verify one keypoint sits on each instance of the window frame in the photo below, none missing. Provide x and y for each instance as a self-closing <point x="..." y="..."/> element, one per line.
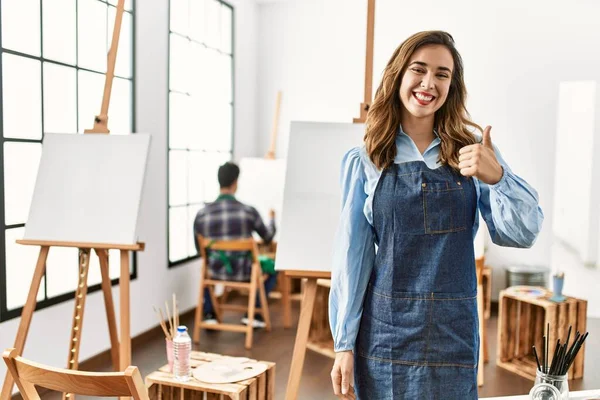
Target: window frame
<point x="5" y="313"/>
<point x="172" y="264"/>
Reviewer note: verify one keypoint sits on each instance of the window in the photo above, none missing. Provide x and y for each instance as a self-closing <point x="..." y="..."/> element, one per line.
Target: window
<point x="200" y="113"/>
<point x="52" y="64"/>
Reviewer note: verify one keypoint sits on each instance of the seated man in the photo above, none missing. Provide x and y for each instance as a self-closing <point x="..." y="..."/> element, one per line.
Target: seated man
<point x="227" y="219"/>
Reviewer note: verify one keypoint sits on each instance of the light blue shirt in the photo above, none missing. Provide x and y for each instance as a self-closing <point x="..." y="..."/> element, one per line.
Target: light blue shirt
<point x="510" y="209"/>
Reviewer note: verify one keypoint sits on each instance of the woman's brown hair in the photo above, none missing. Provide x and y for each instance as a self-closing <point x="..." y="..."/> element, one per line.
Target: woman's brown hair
<point x="451" y="120"/>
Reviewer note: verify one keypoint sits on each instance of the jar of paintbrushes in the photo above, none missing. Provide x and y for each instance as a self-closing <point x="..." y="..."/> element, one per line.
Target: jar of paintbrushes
<point x="169" y="327"/>
<point x="552" y="377"/>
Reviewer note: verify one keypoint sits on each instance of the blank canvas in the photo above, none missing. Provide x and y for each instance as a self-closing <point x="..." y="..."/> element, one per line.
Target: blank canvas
<point x="88" y="188"/>
<point x="312" y="193"/>
<point x="260" y="185"/>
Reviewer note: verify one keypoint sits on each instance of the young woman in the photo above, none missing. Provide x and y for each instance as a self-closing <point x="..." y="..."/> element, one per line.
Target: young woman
<point x="404" y="317"/>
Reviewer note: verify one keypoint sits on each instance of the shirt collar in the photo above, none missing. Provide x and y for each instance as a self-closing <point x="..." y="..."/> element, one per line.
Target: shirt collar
<point x="225" y="197"/>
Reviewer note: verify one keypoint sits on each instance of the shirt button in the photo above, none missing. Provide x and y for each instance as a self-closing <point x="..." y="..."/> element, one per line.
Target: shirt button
<point x="458" y="183"/>
<point x="424" y="185"/>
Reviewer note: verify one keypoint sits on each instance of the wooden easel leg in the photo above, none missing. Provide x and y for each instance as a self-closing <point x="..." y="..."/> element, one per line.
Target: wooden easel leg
<point x="79" y="309"/>
<point x="26" y="315"/>
<point x="308" y="304"/>
<point x="125" y="339"/>
<point x="286" y="301"/>
<point x="110" y="307"/>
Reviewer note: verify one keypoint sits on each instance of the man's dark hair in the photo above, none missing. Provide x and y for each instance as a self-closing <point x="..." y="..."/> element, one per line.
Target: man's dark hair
<point x="228" y="174"/>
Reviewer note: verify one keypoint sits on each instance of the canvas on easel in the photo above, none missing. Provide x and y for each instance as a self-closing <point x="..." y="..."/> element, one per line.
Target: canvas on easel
<point x="260" y="185"/>
<point x="87" y="196"/>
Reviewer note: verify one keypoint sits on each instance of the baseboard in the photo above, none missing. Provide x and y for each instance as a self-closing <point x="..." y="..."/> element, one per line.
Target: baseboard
<point x="101" y="359"/>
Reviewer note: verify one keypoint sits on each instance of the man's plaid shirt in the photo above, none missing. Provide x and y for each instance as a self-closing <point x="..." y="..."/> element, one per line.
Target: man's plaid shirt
<point x="228" y="219"/>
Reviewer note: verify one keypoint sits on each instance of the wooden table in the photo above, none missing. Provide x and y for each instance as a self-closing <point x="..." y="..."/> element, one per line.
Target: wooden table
<point x="163" y="385"/>
<point x="522" y="322"/>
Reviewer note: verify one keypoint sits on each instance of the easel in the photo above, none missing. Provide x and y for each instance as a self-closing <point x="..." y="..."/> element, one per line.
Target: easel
<point x="310" y="287"/>
<point x="286" y="284"/>
<point x="271" y="153"/>
<point x="120" y="351"/>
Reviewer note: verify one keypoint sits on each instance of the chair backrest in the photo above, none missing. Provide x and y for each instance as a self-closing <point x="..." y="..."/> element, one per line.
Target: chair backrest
<point x="27" y="374"/>
<point x="227" y="245"/>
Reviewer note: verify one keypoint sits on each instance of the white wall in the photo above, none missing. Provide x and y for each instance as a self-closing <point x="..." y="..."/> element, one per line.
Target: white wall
<point x="50" y="328"/>
<point x="515" y="54"/>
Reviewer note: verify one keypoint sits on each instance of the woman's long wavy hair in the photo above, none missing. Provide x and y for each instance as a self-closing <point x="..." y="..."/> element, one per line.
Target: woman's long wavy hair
<point x="451" y="120"/>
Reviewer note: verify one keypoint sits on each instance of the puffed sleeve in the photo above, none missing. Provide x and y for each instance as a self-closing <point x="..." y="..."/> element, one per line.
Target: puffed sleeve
<point x="510" y="209"/>
<point x="353" y="255"/>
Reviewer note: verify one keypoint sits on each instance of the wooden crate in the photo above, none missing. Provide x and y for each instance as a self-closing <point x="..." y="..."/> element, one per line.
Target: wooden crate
<point x="522" y="322"/>
<point x="319" y="336"/>
<point x="162" y="384"/>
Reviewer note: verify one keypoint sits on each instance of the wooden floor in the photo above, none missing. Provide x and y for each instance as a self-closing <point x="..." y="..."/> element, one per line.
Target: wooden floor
<point x="277" y="346"/>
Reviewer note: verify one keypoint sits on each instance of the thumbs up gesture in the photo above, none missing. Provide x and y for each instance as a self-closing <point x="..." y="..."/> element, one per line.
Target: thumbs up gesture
<point x="479" y="160"/>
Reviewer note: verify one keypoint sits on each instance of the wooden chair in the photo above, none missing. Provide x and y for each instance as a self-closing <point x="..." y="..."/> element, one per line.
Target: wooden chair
<point x="27" y="374"/>
<point x="256" y="285"/>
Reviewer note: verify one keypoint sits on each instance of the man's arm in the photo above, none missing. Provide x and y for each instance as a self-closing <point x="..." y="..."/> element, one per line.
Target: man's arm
<point x="266" y="233"/>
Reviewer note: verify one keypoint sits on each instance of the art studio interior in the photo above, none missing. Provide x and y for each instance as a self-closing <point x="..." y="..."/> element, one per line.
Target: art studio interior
<point x="300" y="199"/>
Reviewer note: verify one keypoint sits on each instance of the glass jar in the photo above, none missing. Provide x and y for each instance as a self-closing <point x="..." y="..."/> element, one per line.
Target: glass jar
<point x="550" y="387"/>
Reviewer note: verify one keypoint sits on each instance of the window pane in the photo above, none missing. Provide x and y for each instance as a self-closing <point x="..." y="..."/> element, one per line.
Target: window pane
<point x="224" y="93"/>
<point x="91" y="89"/>
<point x="62" y="270"/>
<point x="119" y="112"/>
<point x="21" y="162"/>
<point x="194" y="136"/>
<point x="178" y="233"/>
<point x="196" y="84"/>
<point x="179" y="65"/>
<point x="226" y="24"/>
<point x="20" y="265"/>
<point x="60" y="99"/>
<point x="212" y="89"/>
<point x="114" y="267"/>
<point x="59" y="30"/>
<point x="197" y="23"/>
<point x="213" y="23"/>
<point x="180" y="17"/>
<point x="114" y="264"/>
<point x="128" y="4"/>
<point x="124" y="53"/>
<point x="22" y="101"/>
<point x="21" y="26"/>
<point x="195" y="174"/>
<point x="92" y="23"/>
<point x="191" y="212"/>
<point x="211" y="164"/>
<point x="180" y="119"/>
<point x="178" y="166"/>
<point x="217" y="133"/>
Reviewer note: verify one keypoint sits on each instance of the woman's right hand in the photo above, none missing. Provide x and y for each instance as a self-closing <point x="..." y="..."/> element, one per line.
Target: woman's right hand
<point x="342" y="375"/>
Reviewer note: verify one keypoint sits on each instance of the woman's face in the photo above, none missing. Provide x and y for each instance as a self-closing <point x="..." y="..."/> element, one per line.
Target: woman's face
<point x="426" y="81"/>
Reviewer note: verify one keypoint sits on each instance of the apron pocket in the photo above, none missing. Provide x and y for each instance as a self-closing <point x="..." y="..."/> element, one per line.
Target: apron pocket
<point x="454" y="331"/>
<point x="395" y="327"/>
<point x="444" y="207"/>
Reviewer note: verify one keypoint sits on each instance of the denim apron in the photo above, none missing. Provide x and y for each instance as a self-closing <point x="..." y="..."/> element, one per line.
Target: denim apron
<point x="418" y="336"/>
